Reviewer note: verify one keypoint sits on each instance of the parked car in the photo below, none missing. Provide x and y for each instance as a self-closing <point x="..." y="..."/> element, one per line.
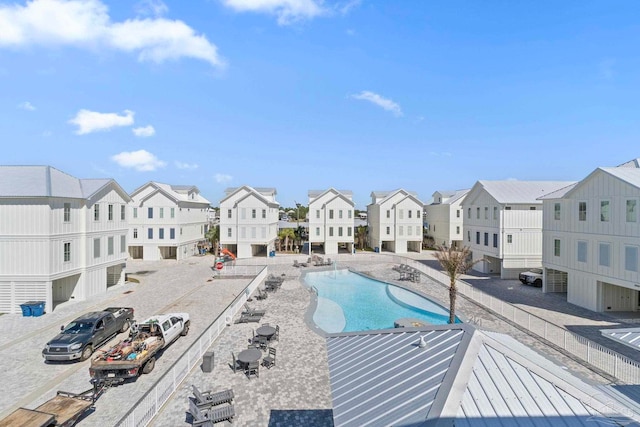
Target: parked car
<point x="532" y="277"/>
<point x="83" y="335"/>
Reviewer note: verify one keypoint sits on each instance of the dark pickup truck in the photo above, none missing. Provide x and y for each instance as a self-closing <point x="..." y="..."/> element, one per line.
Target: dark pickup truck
<point x="86" y="333"/>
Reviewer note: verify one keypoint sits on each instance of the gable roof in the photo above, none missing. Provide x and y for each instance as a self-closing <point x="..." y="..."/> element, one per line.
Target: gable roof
<point x="258" y="193"/>
<point x="627" y="174"/>
<point x="463" y="377"/>
<point x="314" y="194"/>
<point x="177" y="193"/>
<point x="344" y="195"/>
<point x="516" y="192"/>
<point x="633" y="163"/>
<point x="47" y="181"/>
<point x="385" y="196"/>
<point x="449" y="197"/>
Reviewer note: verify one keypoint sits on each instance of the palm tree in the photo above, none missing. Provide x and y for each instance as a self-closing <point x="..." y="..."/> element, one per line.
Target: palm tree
<point x="361" y="234"/>
<point x="288" y="235"/>
<point x="213" y="236"/>
<point x="454" y="262"/>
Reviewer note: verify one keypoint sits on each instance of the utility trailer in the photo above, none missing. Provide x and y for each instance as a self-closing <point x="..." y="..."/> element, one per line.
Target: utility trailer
<point x="62" y="410"/>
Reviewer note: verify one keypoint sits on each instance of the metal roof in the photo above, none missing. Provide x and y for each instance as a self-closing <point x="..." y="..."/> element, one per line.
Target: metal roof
<point x="464" y="377"/>
<point x="47" y="181"/>
<point x="627" y="174"/>
<point x="513" y="191"/>
<point x="449" y="197"/>
<point x="627" y="336"/>
<point x="558" y="194"/>
<point x="633" y="163"/>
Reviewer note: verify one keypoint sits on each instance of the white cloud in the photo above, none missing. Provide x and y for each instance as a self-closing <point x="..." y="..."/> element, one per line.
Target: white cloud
<point x="380" y="101"/>
<point x="223" y="178"/>
<point x="151" y="8"/>
<point x="144" y="132"/>
<point x="287" y="11"/>
<point x="26" y="106"/>
<point x="140" y="160"/>
<point x="347" y="6"/>
<point x="86" y="24"/>
<point x="92" y="121"/>
<point x="182" y="165"/>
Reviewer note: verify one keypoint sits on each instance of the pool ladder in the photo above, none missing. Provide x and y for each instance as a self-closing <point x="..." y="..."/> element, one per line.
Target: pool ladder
<point x="314" y="290"/>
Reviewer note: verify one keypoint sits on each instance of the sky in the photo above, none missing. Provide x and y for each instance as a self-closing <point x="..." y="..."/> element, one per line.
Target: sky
<point x="299" y="95"/>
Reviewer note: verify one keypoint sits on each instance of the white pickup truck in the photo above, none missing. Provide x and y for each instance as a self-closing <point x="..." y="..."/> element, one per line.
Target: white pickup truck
<point x="137" y="354"/>
<point x="532" y="277"/>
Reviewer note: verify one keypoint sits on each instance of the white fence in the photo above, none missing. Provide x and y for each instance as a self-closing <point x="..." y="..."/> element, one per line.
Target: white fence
<point x="149" y="405"/>
<point x="614" y="364"/>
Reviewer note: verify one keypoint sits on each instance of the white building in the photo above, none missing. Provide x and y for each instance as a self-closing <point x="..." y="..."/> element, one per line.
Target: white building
<point x="331" y="220"/>
<point x="395" y="221"/>
<point x="503" y="224"/>
<point x="166" y="221"/>
<point x="249" y="221"/>
<point x="61" y="237"/>
<point x="592" y="240"/>
<point x="444" y="218"/>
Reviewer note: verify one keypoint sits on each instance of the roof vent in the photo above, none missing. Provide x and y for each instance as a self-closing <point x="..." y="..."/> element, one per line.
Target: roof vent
<point x="422" y="343"/>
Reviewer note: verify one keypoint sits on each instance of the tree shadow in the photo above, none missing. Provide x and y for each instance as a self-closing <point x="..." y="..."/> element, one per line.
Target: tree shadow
<point x="301" y="417"/>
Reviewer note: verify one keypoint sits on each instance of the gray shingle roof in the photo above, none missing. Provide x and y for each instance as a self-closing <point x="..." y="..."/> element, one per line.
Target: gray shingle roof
<point x="465" y="377"/>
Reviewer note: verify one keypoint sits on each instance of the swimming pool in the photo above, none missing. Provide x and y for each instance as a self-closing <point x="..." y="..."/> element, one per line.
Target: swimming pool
<point x="349" y="302"/>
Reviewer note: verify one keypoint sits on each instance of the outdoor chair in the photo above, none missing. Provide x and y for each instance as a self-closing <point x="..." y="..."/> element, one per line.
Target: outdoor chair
<point x="247" y="319"/>
<point x="200" y="417"/>
<point x="296" y="264"/>
<point x="276" y="336"/>
<point x="235" y="365"/>
<point x="328" y="261"/>
<point x="253" y="369"/>
<point x="207" y="399"/>
<point x="252" y="311"/>
<point x="270" y="359"/>
<point x="261" y="295"/>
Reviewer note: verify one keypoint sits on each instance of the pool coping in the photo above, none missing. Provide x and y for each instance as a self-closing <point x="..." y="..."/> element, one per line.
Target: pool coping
<point x="313" y="301"/>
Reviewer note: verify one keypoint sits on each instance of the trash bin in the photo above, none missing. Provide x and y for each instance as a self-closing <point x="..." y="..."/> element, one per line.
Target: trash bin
<point x="207" y="362"/>
<point x="26" y="310"/>
<point x="376" y="249"/>
<point x="272" y="253"/>
<point x="37" y="309"/>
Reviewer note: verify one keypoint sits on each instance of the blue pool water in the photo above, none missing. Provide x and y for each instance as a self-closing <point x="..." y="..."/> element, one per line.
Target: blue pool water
<point x="348" y="302"/>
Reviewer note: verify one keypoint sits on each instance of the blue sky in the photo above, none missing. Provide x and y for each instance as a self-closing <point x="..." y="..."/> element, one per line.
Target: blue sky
<point x="309" y="94"/>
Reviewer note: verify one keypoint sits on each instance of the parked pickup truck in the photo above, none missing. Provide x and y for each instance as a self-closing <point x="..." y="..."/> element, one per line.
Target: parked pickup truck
<point x="81" y="337"/>
<point x="137" y="354"/>
<point x="532" y="277"/>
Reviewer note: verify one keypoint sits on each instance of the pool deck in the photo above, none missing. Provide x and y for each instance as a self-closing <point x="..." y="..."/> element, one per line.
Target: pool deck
<point x="296" y="392"/>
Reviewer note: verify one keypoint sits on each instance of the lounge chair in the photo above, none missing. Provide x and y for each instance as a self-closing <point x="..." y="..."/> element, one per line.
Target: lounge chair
<point x="207" y="418"/>
<point x="252" y="311"/>
<point x="247" y="319"/>
<point x="261" y="294"/>
<point x="207" y="399"/>
<point x="270" y="360"/>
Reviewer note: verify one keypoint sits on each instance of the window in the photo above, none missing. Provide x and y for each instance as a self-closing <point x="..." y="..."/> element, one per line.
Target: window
<point x="243" y="213"/>
<point x="556" y="211"/>
<point x="135" y="233"/>
<point x="632" y="212"/>
<point x="556" y="247"/>
<point x="96" y="212"/>
<point x="349" y="214"/>
<point x="477" y="237"/>
<point x="401" y="213"/>
<point x="582" y="251"/>
<point x="468" y="236"/>
<point x="604" y="258"/>
<point x="253" y="232"/>
<point x="263" y="232"/>
<point x="495" y="240"/>
<point x="110" y="212"/>
<point x="388" y="213"/>
<point x="330" y="213"/>
<point x="340" y="214"/>
<point x="604" y="211"/>
<point x="340" y="231"/>
<point x="409" y="230"/>
<point x="349" y="231"/>
<point x="317" y="213"/>
<point x="486" y="212"/>
<point x="509" y="238"/>
<point x="486" y="239"/>
<point x="434" y="228"/>
<point x="631" y="258"/>
<point x="123" y="243"/>
<point x="150" y="233"/>
<point x="582" y="211"/>
<point x="400" y="230"/>
<point x="417" y="230"/>
<point x="67" y="212"/>
<point x="228" y="213"/>
<point x="229" y="232"/>
<point x="469" y="213"/>
<point x="477" y="213"/>
<point x="110" y="245"/>
<point x="507" y="208"/>
<point x="457" y="229"/>
<point x="417" y="214"/>
<point x="67" y="251"/>
<point x="458" y="213"/>
<point x="172" y="233"/>
<point x="331" y="231"/>
<point x="123" y="210"/>
<point x="253" y="213"/>
<point x="96" y="248"/>
<point x="135" y="212"/>
<point x="161" y="233"/>
<point x="388" y="230"/>
<point x="161" y="213"/>
<point x="317" y="231"/>
<point x="172" y="213"/>
<point x="409" y="211"/>
<point x="532" y="208"/>
<point x="495" y="212"/>
<point x="150" y="213"/>
<point x="264" y="214"/>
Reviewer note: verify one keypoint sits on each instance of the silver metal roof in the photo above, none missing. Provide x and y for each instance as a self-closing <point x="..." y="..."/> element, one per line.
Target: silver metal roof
<point x="627" y="174"/>
<point x="464" y="377"/>
<point x="633" y="163"/>
<point x="449" y="197"/>
<point x="558" y="194"/>
<point x="627" y="336"/>
<point x="513" y="191"/>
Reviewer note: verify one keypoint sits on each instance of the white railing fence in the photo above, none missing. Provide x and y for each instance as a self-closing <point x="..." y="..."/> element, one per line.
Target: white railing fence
<point x="149" y="405"/>
<point x="608" y="361"/>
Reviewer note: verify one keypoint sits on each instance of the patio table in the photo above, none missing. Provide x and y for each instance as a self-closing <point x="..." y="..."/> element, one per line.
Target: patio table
<point x="249" y="355"/>
<point x="266" y="331"/>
